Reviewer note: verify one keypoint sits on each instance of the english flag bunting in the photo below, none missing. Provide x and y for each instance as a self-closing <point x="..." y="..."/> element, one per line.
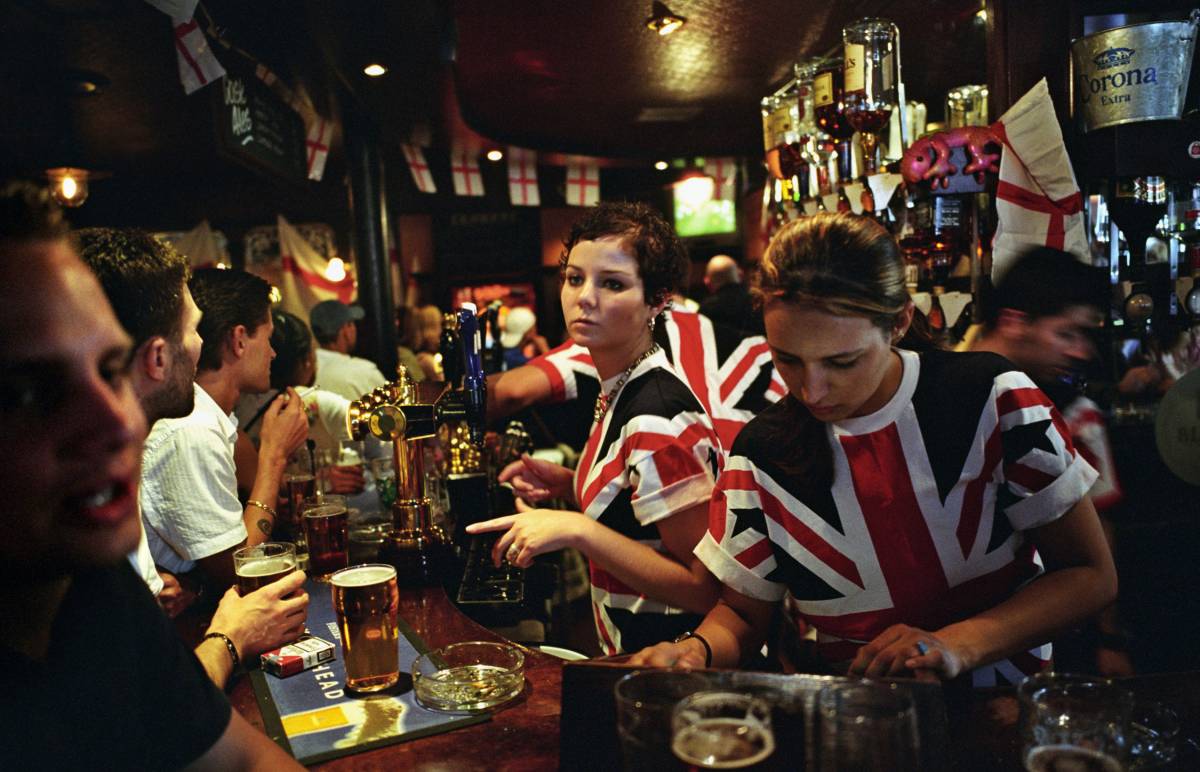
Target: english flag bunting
<point x="522" y="177"/>
<point x="198" y="66"/>
<point x="1037" y="199"/>
<point x="419" y="168"/>
<point x="303" y="283"/>
<point x="464" y="171"/>
<point x="583" y="182"/>
<point x="724" y="174"/>
<point x="316" y="146"/>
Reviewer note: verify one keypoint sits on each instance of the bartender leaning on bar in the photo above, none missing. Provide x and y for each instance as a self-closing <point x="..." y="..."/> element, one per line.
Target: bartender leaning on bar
<point x="647" y="471"/>
<point x="899" y="497"/>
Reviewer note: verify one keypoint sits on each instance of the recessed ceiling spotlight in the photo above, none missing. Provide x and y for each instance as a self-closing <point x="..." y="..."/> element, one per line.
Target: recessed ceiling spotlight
<point x="374" y="70"/>
<point x="661" y="165"/>
<point x="495" y="155"/>
<point x="663" y="20"/>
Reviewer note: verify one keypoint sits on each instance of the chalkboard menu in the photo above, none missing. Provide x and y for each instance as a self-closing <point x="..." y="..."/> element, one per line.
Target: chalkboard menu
<point x="256" y="127"/>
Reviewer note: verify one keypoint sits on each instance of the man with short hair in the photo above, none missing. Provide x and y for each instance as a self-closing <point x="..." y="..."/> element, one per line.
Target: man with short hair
<point x="101" y="680"/>
<point x="145" y="280"/>
<point x="729" y="302"/>
<point x="189" y="496"/>
<point x="1040" y="316"/>
<point x="332" y="324"/>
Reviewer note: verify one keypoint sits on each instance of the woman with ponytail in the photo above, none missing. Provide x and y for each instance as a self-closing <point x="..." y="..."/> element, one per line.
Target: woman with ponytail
<point x="898" y="493"/>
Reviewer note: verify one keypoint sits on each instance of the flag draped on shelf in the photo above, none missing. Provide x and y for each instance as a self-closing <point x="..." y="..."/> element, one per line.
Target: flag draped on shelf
<point x="303" y="283"/>
<point x="522" y="177"/>
<point x="419" y="169"/>
<point x="320" y="131"/>
<point x="464" y="171"/>
<point x="724" y="174"/>
<point x="583" y="182"/>
<point x="1037" y="198"/>
<point x="199" y="246"/>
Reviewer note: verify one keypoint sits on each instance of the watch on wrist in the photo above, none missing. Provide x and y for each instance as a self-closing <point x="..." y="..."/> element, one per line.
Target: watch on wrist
<point x="703" y="642"/>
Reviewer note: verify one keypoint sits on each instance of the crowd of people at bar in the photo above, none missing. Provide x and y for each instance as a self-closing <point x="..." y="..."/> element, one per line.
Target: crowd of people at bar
<point x="807" y="458"/>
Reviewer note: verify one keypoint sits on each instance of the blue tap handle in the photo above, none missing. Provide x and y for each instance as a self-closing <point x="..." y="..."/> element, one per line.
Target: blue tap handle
<point x="474" y="382"/>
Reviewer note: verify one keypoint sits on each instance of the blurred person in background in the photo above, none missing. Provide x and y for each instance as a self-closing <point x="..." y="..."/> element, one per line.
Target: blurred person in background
<point x="337" y="369"/>
<point x="729" y="300"/>
<point x="520" y="339"/>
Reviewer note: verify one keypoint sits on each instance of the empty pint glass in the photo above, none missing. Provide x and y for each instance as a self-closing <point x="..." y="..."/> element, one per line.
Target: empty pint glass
<point x="365" y="599"/>
<point x="326" y="529"/>
<point x="262" y="564"/>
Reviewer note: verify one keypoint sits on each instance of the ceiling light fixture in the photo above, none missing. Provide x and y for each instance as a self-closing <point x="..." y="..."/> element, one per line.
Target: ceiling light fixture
<point x="661" y="165"/>
<point x="663" y="20"/>
<point x="495" y="155"/>
<point x="374" y="70"/>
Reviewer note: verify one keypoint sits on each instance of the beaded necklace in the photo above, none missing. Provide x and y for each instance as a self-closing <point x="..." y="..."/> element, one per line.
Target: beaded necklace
<point x="605" y="400"/>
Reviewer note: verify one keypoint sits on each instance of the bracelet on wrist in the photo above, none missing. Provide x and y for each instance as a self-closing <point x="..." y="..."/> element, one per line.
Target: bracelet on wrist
<point x="703" y="642"/>
<point x="233" y="652"/>
<point x="264" y="507"/>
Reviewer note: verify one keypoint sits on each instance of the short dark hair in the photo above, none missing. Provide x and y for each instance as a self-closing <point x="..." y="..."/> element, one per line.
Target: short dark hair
<point x="227" y="298"/>
<point x="661" y="258"/>
<point x="1045" y="282"/>
<point x="142" y="276"/>
<point x="28" y="213"/>
<point x="292" y="342"/>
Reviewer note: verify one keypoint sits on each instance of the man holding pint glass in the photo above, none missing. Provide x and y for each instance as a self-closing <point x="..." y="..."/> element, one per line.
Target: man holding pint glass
<point x="146" y="283"/>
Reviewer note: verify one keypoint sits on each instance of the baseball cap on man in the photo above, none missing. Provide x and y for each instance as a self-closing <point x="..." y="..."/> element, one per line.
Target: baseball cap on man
<point x="518" y="322"/>
<point x="328" y="316"/>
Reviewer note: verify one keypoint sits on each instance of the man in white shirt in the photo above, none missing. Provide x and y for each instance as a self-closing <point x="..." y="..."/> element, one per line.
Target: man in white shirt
<point x="337" y="371"/>
<point x="146" y="283"/>
<point x="189" y="495"/>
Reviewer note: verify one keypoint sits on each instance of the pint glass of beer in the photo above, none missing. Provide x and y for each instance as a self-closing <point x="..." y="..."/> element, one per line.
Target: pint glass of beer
<point x="326" y="528"/>
<point x="262" y="564"/>
<point x="365" y="599"/>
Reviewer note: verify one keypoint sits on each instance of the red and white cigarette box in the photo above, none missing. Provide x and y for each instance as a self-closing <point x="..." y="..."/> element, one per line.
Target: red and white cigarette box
<point x="305" y="653"/>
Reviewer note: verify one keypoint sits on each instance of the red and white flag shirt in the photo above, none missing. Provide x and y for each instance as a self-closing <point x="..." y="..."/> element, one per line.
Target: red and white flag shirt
<point x="924" y="522"/>
<point x="653" y="454"/>
<point x="731" y="374"/>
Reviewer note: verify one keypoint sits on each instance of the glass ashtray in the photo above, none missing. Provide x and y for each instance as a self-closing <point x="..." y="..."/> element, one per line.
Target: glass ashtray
<point x="472" y="676"/>
<point x="1154" y="736"/>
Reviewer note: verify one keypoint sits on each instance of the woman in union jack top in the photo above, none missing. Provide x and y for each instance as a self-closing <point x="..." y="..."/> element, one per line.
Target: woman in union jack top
<point x="647" y="471"/>
<point x="926" y="512"/>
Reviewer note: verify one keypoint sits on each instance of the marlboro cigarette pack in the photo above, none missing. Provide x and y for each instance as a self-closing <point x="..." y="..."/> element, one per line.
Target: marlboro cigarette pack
<point x="307" y="652"/>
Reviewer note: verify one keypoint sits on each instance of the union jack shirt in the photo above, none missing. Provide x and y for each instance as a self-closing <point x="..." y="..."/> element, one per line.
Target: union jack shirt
<point x="731" y="374"/>
<point x="652" y="455"/>
<point x="924" y="523"/>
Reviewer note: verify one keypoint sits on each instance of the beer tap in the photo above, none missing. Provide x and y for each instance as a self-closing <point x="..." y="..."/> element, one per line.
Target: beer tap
<point x="474" y="390"/>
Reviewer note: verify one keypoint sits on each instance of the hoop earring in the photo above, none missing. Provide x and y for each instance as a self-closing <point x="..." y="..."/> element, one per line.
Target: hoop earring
<point x="650" y="323"/>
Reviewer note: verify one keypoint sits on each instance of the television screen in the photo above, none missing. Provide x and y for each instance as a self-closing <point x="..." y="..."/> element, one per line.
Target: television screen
<point x="699" y="213"/>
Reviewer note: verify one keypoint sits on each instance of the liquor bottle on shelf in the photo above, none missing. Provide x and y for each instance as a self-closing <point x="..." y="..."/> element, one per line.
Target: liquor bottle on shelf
<point x="829" y="106"/>
<point x="936" y="316"/>
<point x="870" y="80"/>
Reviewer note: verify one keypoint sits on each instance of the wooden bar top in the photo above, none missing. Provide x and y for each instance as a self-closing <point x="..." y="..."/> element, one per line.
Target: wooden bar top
<point x="522" y="734"/>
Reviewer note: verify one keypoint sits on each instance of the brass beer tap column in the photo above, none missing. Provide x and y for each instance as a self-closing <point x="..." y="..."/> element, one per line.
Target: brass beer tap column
<point x="407" y="412"/>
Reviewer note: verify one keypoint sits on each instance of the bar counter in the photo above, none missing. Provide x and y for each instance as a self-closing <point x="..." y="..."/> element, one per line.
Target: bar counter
<point x="524" y="734"/>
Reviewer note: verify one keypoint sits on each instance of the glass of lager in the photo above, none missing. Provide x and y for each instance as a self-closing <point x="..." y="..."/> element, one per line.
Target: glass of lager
<point x="365" y="599"/>
<point x="1073" y="722"/>
<point x="722" y="730"/>
<point x="262" y="564"/>
<point x="326" y="531"/>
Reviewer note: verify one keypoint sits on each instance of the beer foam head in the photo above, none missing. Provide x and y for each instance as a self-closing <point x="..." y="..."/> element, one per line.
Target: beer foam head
<point x="325" y="510"/>
<point x="361" y="576"/>
<point x="266" y="566"/>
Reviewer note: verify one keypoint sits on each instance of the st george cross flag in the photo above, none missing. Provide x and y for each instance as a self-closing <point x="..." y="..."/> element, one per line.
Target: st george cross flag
<point x="419" y="168"/>
<point x="583" y="182"/>
<point x="316" y="146"/>
<point x="1037" y="198"/>
<point x="724" y="174"/>
<point x="303" y="283"/>
<point x="522" y="177"/>
<point x="198" y="66"/>
<point x="178" y="10"/>
<point x="464" y="171"/>
<point x="199" y="246"/>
